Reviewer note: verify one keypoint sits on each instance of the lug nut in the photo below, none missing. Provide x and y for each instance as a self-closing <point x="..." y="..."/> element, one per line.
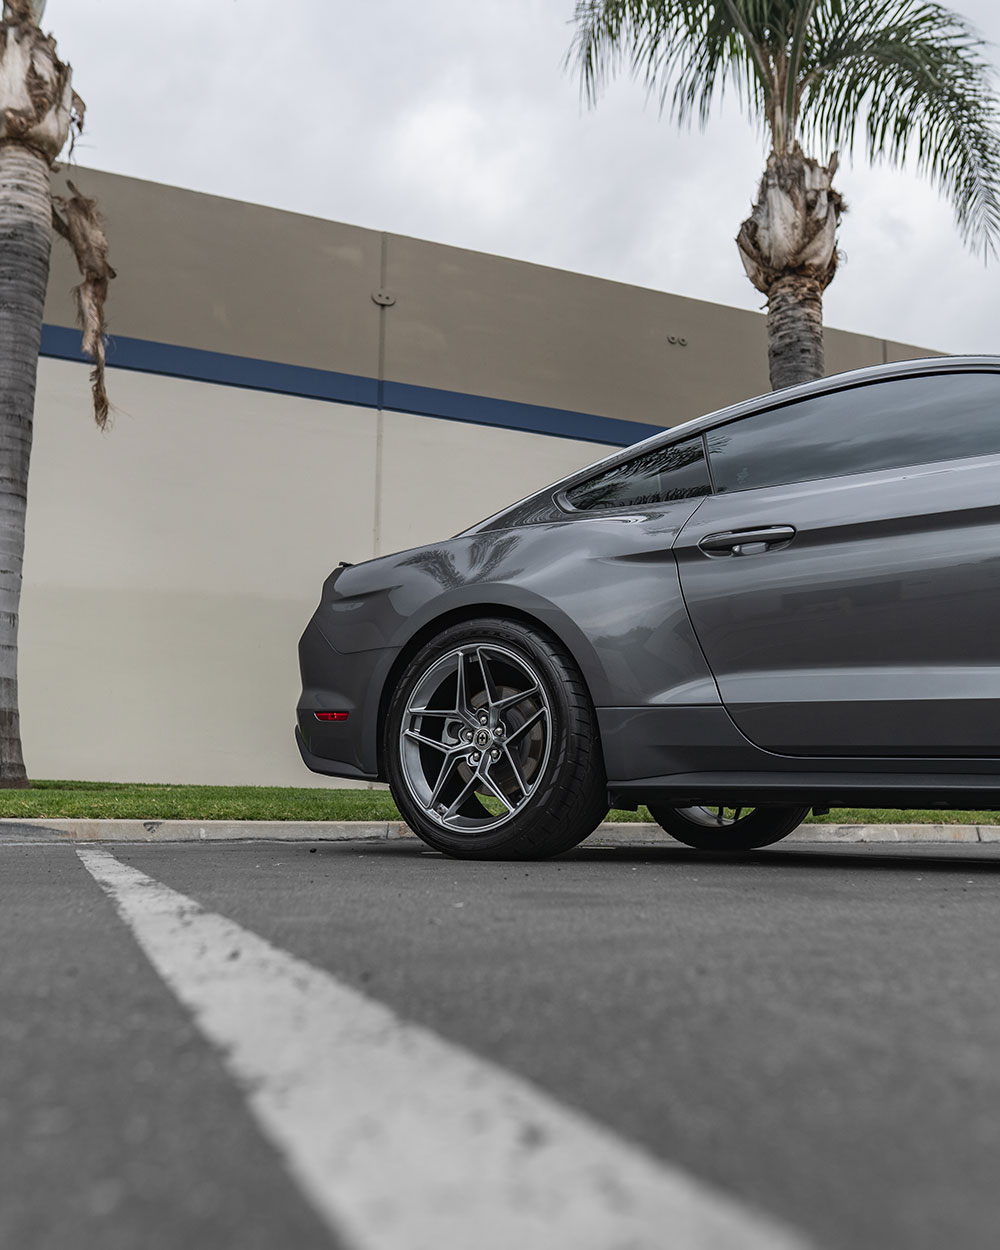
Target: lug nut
<point x="498" y="732"/>
<point x="468" y="735"/>
<point x="475" y="757"/>
<point x="495" y="754"/>
<point x="483" y="718"/>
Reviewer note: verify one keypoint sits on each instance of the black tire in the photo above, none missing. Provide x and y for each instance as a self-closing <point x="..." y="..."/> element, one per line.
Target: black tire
<point x="530" y="782"/>
<point x="748" y="829"/>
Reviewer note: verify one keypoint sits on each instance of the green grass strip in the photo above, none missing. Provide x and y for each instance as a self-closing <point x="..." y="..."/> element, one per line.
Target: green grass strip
<point x="102" y="800"/>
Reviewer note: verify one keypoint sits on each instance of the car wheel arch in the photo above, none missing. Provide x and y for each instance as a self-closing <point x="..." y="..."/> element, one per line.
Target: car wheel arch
<point x="471" y="612"/>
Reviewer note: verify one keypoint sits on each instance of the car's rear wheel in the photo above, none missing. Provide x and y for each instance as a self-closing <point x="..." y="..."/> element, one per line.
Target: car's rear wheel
<point x="728" y="828"/>
<point x="491" y="744"/>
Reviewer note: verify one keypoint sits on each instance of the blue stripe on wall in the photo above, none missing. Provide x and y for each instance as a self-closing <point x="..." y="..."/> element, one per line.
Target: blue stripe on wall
<point x="429" y="402"/>
<point x="201" y="366"/>
<point x="193" y="363"/>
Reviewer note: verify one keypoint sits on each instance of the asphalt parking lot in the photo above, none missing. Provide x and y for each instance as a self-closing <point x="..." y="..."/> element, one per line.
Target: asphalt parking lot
<point x="200" y="1043"/>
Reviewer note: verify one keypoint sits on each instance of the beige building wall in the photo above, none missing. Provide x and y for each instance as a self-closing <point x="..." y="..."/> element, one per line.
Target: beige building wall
<point x="224" y="276"/>
<point x="172" y="563"/>
<point x="221" y="276"/>
<point x="281" y="386"/>
<point x="502" y="328"/>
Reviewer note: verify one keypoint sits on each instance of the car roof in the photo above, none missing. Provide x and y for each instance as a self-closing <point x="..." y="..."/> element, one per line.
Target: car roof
<point x="927" y="365"/>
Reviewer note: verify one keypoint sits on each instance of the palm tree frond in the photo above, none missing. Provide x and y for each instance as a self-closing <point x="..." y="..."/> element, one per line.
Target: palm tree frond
<point x="913" y="78"/>
<point x="796" y="49"/>
<point x="906" y="76"/>
<point x="684" y="51"/>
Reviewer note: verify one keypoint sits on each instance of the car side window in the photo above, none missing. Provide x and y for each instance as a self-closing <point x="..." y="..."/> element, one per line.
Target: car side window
<point x="883" y="425"/>
<point x="678" y="471"/>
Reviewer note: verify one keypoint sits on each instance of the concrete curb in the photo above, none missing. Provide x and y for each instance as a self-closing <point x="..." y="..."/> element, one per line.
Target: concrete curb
<point x="60" y="830"/>
<point x="202" y="830"/>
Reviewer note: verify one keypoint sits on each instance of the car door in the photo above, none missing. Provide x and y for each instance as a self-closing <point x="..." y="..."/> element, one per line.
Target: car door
<point x="844" y="579"/>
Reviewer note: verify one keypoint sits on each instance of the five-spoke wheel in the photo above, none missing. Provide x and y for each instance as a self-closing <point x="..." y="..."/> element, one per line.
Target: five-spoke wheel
<point x="491" y="744"/>
<point x="475" y="737"/>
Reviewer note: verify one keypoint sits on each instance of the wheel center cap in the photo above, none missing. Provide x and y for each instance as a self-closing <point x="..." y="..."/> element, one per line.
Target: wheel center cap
<point x="483" y="738"/>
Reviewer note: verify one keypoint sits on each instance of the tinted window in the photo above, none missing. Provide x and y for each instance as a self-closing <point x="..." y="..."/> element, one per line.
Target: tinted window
<point x="885" y="425"/>
<point x="675" y="472"/>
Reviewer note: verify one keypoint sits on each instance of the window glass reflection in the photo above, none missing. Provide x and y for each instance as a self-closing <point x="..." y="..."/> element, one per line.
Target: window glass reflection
<point x="675" y="472"/>
<point x="884" y="425"/>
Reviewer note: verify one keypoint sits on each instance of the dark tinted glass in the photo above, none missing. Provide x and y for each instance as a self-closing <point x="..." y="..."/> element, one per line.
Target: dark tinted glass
<point x="884" y="425"/>
<point x="675" y="472"/>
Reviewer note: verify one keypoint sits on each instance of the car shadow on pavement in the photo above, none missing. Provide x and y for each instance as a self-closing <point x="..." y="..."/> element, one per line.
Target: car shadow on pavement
<point x="890" y="857"/>
<point x="897" y="857"/>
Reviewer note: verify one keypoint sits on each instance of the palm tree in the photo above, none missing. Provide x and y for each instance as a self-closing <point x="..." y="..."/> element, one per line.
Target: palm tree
<point x="908" y="75"/>
<point x="38" y="111"/>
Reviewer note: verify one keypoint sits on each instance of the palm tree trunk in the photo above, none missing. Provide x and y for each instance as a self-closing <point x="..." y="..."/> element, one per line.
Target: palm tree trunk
<point x="25" y="244"/>
<point x="795" y="330"/>
<point x="788" y="246"/>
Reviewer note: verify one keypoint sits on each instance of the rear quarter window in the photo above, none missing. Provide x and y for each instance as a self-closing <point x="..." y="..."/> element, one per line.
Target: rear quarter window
<point x="677" y="471"/>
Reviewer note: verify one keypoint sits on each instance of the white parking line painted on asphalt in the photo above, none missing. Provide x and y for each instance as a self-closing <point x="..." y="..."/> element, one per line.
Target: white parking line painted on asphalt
<point x="401" y="1140"/>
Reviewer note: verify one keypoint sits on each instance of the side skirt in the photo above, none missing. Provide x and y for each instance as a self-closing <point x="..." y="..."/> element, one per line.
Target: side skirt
<point x="814" y="789"/>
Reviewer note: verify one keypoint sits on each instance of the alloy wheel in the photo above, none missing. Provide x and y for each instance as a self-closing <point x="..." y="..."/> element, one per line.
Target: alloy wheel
<point x="475" y="737"/>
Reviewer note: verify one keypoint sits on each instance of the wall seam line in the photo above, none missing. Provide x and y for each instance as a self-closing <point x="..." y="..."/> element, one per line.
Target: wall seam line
<point x="380" y="401"/>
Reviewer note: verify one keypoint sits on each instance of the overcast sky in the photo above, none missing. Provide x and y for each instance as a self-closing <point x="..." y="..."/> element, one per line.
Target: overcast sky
<point x="455" y="120"/>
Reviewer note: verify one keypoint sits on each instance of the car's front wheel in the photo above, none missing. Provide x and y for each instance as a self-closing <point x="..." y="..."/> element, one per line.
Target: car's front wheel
<point x="728" y="828"/>
<point x="491" y="744"/>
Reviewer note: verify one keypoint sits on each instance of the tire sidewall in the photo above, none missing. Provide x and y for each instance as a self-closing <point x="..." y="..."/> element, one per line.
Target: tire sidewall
<point x="545" y="662"/>
<point x="762" y="827"/>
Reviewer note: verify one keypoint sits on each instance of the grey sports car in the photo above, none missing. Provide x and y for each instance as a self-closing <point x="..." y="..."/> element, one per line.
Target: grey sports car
<point x="787" y="605"/>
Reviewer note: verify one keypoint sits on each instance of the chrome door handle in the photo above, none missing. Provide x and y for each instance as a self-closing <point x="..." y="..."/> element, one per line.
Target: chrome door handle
<point x="750" y="542"/>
